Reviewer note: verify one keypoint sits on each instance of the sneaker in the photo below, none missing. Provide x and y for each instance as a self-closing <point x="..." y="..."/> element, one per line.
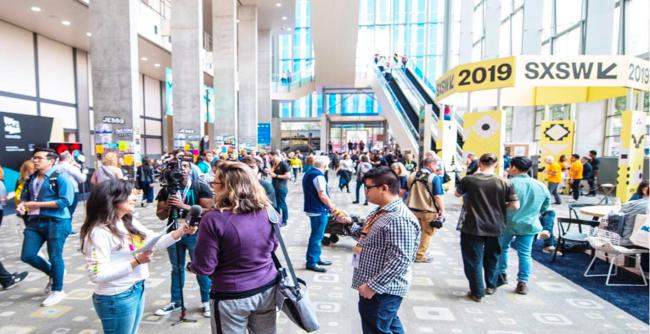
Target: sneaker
<point x="316" y="268"/>
<point x="474" y="298"/>
<point x="48" y="287"/>
<point x="167" y="309"/>
<point x="544" y="235"/>
<point x="15" y="279"/>
<point x="522" y="288"/>
<point x="549" y="249"/>
<point x="54" y="298"/>
<point x="490" y="291"/>
<point x="206" y="310"/>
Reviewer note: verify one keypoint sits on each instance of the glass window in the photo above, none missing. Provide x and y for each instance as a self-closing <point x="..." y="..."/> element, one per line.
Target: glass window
<point x="477" y="29"/>
<point x="568" y="13"/>
<point x="504" y="39"/>
<point x="547" y="20"/>
<point x="506" y="8"/>
<point x="638" y="26"/>
<point x="517" y="31"/>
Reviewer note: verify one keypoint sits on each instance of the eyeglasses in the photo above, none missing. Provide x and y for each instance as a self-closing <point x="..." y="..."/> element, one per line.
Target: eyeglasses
<point x="370" y="187"/>
<point x="40" y="158"/>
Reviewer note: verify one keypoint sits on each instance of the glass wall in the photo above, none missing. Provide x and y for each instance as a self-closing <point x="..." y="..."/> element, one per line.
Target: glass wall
<point x="337" y="104"/>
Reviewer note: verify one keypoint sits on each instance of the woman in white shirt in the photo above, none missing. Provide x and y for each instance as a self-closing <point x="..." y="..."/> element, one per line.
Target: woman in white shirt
<point x="346" y="168"/>
<point x="110" y="240"/>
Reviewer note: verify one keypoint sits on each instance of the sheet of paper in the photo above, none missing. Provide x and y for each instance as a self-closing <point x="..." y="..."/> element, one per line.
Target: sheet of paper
<point x="149" y="246"/>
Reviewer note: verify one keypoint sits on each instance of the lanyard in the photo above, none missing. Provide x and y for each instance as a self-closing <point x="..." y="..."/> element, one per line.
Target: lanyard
<point x="37" y="187"/>
<point x="186" y="190"/>
<point x="366" y="229"/>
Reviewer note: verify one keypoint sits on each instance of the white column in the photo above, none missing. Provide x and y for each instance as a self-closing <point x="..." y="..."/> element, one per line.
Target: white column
<point x="531" y="43"/>
<point x="247" y="52"/>
<point x="116" y="91"/>
<point x="224" y="37"/>
<point x="491" y="24"/>
<point x="466" y="27"/>
<point x="187" y="37"/>
<point x="264" y="76"/>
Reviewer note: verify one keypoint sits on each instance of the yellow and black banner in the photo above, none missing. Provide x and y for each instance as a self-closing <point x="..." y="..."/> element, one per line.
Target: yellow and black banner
<point x="630" y="159"/>
<point x="556" y="138"/>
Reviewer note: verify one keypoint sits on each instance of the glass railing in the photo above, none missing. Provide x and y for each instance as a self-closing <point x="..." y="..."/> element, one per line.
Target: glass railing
<point x="424" y="79"/>
<point x="288" y="82"/>
<point x="397" y="105"/>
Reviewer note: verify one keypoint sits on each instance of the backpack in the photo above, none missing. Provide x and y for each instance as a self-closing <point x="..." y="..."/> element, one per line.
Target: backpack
<point x="423" y="177"/>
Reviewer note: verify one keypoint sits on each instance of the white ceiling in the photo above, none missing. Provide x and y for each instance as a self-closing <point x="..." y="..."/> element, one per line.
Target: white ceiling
<point x="47" y="22"/>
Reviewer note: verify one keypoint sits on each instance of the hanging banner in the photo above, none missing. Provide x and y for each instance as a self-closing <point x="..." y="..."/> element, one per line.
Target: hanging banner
<point x="556" y="139"/>
<point x="483" y="134"/>
<point x="489" y="74"/>
<point x="630" y="160"/>
<point x="169" y="97"/>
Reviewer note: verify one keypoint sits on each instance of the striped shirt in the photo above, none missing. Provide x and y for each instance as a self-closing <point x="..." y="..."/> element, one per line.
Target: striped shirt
<point x="388" y="250"/>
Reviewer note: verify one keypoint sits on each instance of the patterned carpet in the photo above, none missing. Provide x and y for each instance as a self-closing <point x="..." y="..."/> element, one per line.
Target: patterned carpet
<point x="435" y="304"/>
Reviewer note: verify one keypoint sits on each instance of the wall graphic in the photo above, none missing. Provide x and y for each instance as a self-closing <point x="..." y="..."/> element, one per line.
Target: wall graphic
<point x="556" y="139"/>
<point x="630" y="159"/>
<point x="483" y="134"/>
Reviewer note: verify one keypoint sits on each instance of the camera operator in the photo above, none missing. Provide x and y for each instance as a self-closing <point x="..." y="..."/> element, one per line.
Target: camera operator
<point x="180" y="192"/>
<point x="425" y="200"/>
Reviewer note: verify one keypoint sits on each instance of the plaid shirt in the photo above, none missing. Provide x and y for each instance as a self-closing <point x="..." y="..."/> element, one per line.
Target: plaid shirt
<point x="388" y="250"/>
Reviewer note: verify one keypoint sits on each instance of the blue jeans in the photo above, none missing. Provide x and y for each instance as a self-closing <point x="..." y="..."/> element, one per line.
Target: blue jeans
<point x="552" y="188"/>
<point x="480" y="258"/>
<point x="147" y="192"/>
<point x="318" y="225"/>
<point x="54" y="232"/>
<point x="379" y="314"/>
<point x="187" y="243"/>
<point x="121" y="313"/>
<point x="73" y="206"/>
<point x="547" y="219"/>
<point x="281" y="199"/>
<point x="523" y="244"/>
<point x="358" y="190"/>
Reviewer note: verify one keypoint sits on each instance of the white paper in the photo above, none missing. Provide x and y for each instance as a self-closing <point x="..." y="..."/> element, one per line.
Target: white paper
<point x="149" y="246"/>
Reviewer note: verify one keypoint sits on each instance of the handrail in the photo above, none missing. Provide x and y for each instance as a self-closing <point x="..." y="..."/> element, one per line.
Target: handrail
<point x="290" y="83"/>
<point x="402" y="113"/>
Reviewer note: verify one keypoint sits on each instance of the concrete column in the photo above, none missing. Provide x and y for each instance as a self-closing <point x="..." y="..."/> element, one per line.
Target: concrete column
<point x="247" y="52"/>
<point x="224" y="37"/>
<point x="187" y="38"/>
<point x="531" y="43"/>
<point x="83" y="103"/>
<point x="114" y="50"/>
<point x="276" y="126"/>
<point x="492" y="24"/>
<point x="466" y="27"/>
<point x="264" y="76"/>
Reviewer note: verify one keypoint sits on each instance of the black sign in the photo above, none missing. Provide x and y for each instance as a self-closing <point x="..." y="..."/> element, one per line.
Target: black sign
<point x="20" y="135"/>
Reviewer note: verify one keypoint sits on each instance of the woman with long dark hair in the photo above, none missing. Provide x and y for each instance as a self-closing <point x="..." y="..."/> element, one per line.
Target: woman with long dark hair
<point x="235" y="246"/>
<point x="110" y="240"/>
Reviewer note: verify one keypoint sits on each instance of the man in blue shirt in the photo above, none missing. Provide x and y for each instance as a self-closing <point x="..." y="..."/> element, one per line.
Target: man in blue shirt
<point x="45" y="199"/>
<point x="522" y="224"/>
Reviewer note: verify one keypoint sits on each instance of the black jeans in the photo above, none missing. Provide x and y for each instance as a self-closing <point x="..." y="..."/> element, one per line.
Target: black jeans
<point x="480" y="257"/>
<point x="575" y="188"/>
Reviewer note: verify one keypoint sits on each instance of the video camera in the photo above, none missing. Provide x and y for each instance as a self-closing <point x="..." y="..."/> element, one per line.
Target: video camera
<point x="171" y="175"/>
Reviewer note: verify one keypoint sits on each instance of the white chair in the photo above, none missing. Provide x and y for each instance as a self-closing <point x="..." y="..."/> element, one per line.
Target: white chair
<point x="609" y="243"/>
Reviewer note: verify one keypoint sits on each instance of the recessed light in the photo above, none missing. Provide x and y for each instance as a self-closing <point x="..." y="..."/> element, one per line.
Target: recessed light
<point x="144" y="58"/>
<point x="284" y="18"/>
<point x="88" y="34"/>
<point x="36" y="9"/>
<point x="237" y="20"/>
<point x="278" y="4"/>
<point x="65" y="22"/>
<point x="288" y="29"/>
<point x="157" y="65"/>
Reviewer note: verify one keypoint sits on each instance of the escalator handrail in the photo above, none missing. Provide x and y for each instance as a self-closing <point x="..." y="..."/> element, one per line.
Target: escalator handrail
<point x="416" y="99"/>
<point x="410" y="111"/>
<point x="382" y="81"/>
<point x="426" y="90"/>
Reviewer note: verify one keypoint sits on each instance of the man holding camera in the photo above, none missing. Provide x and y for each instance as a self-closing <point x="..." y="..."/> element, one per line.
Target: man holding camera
<point x="425" y="201"/>
<point x="190" y="191"/>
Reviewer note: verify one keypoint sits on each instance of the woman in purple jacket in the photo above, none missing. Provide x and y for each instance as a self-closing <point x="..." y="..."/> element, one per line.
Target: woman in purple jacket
<point x="235" y="246"/>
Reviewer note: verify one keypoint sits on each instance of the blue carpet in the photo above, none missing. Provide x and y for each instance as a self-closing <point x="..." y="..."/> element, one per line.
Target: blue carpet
<point x="632" y="299"/>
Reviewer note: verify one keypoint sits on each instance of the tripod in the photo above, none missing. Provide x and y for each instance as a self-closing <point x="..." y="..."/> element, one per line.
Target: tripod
<point x="173" y="221"/>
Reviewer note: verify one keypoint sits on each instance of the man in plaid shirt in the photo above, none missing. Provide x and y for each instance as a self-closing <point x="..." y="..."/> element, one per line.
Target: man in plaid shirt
<point x="387" y="243"/>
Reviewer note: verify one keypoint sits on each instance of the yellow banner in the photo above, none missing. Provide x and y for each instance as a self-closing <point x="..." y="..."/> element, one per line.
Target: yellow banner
<point x="555" y="139"/>
<point x="489" y="74"/>
<point x="483" y="134"/>
<point x="630" y="160"/>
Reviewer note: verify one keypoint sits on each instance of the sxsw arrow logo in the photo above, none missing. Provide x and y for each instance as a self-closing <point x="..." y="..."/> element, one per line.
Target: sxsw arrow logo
<point x="565" y="70"/>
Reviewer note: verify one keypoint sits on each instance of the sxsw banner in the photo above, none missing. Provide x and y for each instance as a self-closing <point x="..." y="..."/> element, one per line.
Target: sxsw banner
<point x="484" y="134"/>
<point x="556" y="139"/>
<point x="630" y="160"/>
<point x="20" y="135"/>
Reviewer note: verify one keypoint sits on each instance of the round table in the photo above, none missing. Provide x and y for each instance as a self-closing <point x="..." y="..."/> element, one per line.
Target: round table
<point x="599" y="210"/>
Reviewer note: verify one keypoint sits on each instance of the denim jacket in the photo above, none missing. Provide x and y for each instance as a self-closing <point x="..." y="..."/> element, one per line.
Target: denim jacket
<point x="63" y="199"/>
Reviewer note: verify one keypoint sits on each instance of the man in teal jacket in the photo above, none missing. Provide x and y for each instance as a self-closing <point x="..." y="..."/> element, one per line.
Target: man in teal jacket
<point x="522" y="224"/>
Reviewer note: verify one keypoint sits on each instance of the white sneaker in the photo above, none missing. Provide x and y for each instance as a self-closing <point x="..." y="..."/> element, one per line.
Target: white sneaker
<point x="544" y="235"/>
<point x="54" y="298"/>
<point x="167" y="309"/>
<point x="549" y="249"/>
<point x="48" y="287"/>
<point x="206" y="310"/>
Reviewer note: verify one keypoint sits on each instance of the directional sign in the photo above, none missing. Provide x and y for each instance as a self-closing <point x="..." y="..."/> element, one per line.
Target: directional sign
<point x="489" y="74"/>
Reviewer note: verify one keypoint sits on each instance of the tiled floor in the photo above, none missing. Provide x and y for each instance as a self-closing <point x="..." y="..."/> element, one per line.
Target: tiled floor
<point x="435" y="303"/>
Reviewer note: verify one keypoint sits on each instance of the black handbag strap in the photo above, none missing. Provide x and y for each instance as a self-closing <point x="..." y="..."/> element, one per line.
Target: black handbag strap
<point x="273" y="218"/>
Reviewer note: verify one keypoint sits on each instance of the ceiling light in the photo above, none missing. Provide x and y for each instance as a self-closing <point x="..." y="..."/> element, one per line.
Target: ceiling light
<point x="237" y="20"/>
<point x="88" y="34"/>
<point x="65" y="22"/>
<point x="284" y="18"/>
<point x="278" y="4"/>
<point x="144" y="58"/>
<point x="157" y="65"/>
<point x="36" y="9"/>
<point x="288" y="29"/>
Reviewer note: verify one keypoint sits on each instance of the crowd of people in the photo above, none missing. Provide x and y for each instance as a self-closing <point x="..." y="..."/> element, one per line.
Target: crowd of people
<point x="231" y="250"/>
